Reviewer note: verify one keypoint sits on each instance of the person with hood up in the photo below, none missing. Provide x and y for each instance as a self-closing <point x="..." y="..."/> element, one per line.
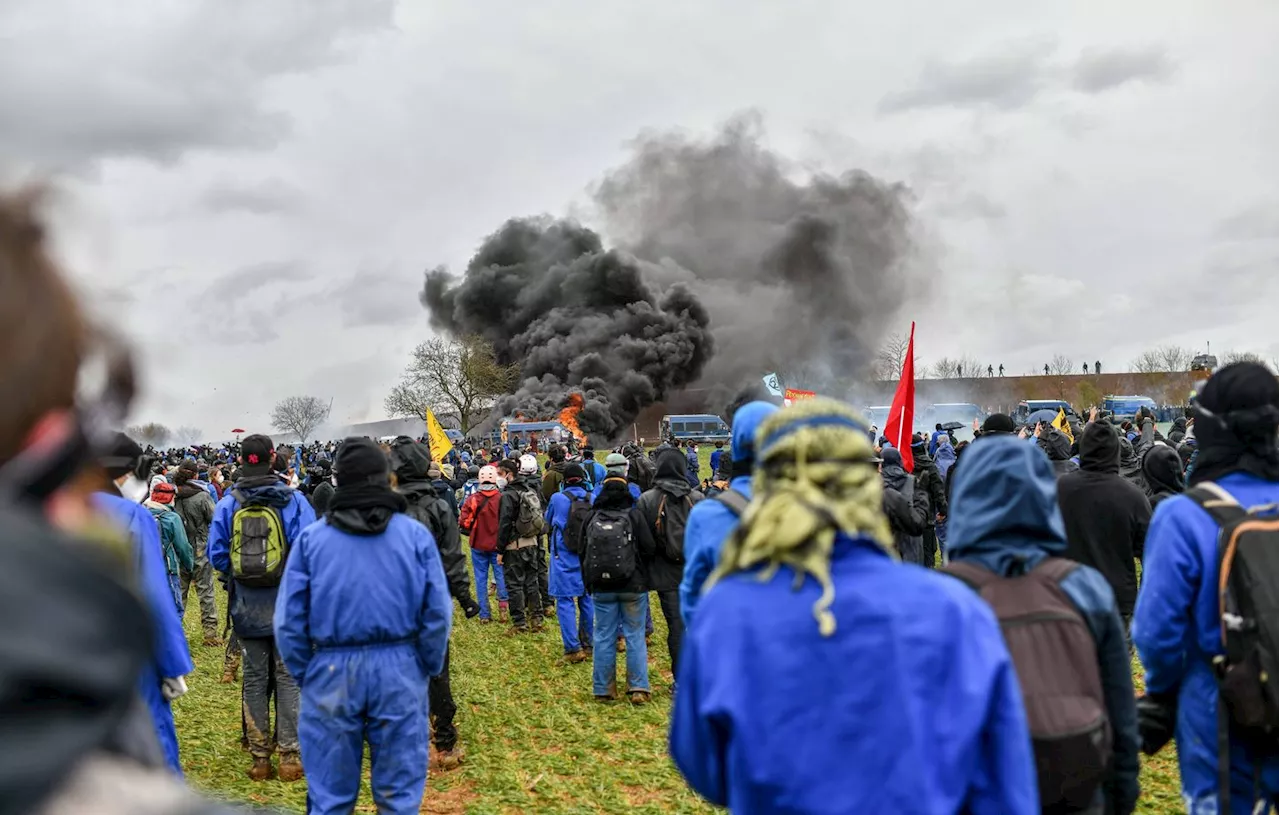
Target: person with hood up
<point x="252" y="607"/>
<point x="443" y="487"/>
<point x="1057" y="447"/>
<point x="1177" y="624"/>
<point x="1162" y="474"/>
<point x="554" y="476"/>
<point x="521" y="523"/>
<point x="711" y="522"/>
<point x="1005" y="520"/>
<point x="1130" y="464"/>
<point x="930" y="480"/>
<point x="800" y="683"/>
<point x="622" y="604"/>
<point x="906" y="506"/>
<point x="574" y="609"/>
<point x="362" y="621"/>
<point x="479" y="522"/>
<point x="178" y="559"/>
<point x="471" y="484"/>
<point x="694" y="474"/>
<point x="322" y="492"/>
<point x="1106" y="516"/>
<point x="410" y="464"/>
<point x="195" y="506"/>
<point x="666" y="509"/>
<point x="162" y="680"/>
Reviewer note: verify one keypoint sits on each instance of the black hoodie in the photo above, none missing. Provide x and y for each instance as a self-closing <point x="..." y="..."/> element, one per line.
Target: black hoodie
<point x="1162" y="472"/>
<point x="1105" y="515"/>
<point x="1057" y="446"/>
<point x="615" y="494"/>
<point x="671" y="492"/>
<point x="427" y="507"/>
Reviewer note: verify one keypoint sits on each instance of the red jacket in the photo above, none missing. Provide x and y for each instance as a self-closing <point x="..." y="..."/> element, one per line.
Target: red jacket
<point x="478" y="519"/>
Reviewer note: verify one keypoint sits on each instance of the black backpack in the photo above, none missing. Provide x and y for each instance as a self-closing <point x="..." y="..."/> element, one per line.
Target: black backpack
<point x="575" y="526"/>
<point x="610" y="560"/>
<point x="1247" y="587"/>
<point x="641" y="470"/>
<point x="673" y="515"/>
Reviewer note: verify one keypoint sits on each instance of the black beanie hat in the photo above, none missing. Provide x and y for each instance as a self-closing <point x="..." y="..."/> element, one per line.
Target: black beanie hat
<point x="360" y="461"/>
<point x="573" y="472"/>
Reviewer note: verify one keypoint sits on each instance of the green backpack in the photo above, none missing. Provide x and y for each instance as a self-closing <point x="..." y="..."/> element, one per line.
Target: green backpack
<point x="259" y="547"/>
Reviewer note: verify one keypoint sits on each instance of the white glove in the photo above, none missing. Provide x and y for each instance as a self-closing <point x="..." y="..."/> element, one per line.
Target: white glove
<point x="171" y="687"/>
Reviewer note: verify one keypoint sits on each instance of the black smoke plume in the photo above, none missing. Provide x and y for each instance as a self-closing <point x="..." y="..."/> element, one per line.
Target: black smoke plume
<point x="576" y="318"/>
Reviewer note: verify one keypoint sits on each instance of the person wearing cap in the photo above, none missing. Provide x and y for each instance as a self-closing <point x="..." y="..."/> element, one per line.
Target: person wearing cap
<point x="711" y="522"/>
<point x="362" y="622"/>
<point x="252" y="607"/>
<point x="162" y="680"/>
<point x="518" y="551"/>
<point x="574" y="609"/>
<point x="195" y="504"/>
<point x="1177" y="622"/>
<point x="178" y="558"/>
<point x="615" y="466"/>
<point x="800" y="683"/>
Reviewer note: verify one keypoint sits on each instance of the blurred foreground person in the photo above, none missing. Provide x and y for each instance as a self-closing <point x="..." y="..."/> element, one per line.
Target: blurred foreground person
<point x="75" y="591"/>
<point x="362" y="622"/>
<point x="822" y="676"/>
<point x="1216" y="698"/>
<point x="1061" y="622"/>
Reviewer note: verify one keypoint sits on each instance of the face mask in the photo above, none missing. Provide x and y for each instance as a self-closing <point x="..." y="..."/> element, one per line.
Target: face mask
<point x="502" y="482"/>
<point x="134" y="489"/>
<point x="217" y="477"/>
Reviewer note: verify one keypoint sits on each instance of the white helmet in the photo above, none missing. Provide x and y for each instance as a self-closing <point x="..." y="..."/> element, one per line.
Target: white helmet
<point x="528" y="464"/>
<point x="488" y="474"/>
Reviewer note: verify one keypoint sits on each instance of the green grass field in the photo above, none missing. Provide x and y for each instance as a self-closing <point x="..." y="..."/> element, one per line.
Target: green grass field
<point x="535" y="739"/>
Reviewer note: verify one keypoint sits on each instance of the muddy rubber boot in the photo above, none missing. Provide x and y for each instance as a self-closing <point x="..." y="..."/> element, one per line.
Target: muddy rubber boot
<point x="229" y="675"/>
<point x="639" y="697"/>
<point x="291" y="768"/>
<point x="446" y="760"/>
<point x="574" y="657"/>
<point x="261" y="770"/>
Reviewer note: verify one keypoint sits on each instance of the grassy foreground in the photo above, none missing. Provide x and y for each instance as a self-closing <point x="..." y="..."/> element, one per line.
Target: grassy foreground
<point x="535" y="739"/>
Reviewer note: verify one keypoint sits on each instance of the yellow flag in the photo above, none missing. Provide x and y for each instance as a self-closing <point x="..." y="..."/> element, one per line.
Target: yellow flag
<point x="440" y="444"/>
<point x="1061" y="423"/>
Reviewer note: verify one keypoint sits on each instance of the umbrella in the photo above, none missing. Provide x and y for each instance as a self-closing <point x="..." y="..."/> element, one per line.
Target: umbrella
<point x="1044" y="415"/>
<point x="952" y="426"/>
<point x="238" y="430"/>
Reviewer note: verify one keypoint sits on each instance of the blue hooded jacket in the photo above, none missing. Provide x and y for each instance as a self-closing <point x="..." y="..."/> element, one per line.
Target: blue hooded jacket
<point x="1176" y="631"/>
<point x="911" y="705"/>
<point x="1005" y="518"/>
<point x="565" y="575"/>
<point x="710" y="522"/>
<point x="171" y="657"/>
<point x="252" y="608"/>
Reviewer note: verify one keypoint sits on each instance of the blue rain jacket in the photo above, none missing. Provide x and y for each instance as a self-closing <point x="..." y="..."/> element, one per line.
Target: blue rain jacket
<point x="910" y="706"/>
<point x="362" y="622"/>
<point x="1005" y="518"/>
<point x="710" y="522"/>
<point x="565" y="577"/>
<point x="251" y="608"/>
<point x="1176" y="630"/>
<point x="171" y="656"/>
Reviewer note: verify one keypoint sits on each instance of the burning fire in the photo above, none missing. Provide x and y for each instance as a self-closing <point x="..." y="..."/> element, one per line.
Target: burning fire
<point x="569" y="417"/>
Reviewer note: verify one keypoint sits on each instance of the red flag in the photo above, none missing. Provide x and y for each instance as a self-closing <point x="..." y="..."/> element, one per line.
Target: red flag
<point x="902" y="415"/>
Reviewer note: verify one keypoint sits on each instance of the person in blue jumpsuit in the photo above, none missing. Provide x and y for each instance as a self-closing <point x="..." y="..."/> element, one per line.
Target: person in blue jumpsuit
<point x="1176" y="624"/>
<point x="362" y="621"/>
<point x="162" y="679"/>
<point x="574" y="609"/>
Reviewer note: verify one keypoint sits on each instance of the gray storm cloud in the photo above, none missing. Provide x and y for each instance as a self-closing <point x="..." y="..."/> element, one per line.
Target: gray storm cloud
<point x="730" y="264"/>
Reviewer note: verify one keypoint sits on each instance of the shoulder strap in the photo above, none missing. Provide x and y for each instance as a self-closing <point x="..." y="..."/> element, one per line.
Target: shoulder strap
<point x="239" y="496"/>
<point x="1213" y="499"/>
<point x="734" y="500"/>
<point x="1055" y="568"/>
<point x="975" y="577"/>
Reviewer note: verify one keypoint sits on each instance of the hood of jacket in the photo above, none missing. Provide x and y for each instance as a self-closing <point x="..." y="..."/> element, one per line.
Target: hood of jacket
<point x="266" y="488"/>
<point x="746" y="421"/>
<point x="191" y="489"/>
<point x="1004" y="507"/>
<point x="84" y="639"/>
<point x="1100" y="449"/>
<point x="944" y="456"/>
<point x="1055" y="443"/>
<point x="415" y="489"/>
<point x="615" y="493"/>
<point x="892" y="472"/>
<point x="1162" y="470"/>
<point x="1130" y="467"/>
<point x="670" y="473"/>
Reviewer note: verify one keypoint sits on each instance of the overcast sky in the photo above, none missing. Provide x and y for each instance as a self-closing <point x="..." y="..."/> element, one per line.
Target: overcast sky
<point x="252" y="190"/>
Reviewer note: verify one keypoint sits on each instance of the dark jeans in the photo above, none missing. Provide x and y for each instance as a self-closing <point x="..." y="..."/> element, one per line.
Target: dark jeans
<point x="670" y="603"/>
<point x="263" y="666"/>
<point x="440" y="703"/>
<point x="930" y="546"/>
<point x="543" y="576"/>
<point x="521" y="569"/>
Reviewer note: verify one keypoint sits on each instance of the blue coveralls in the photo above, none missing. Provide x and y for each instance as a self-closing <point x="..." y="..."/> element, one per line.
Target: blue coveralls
<point x="574" y="608"/>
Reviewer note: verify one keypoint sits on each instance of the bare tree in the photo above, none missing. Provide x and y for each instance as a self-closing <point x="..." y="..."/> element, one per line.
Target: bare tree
<point x="1149" y="363"/>
<point x="187" y="435"/>
<point x="1242" y="356"/>
<point x="153" y="433"/>
<point x="965" y="367"/>
<point x="457" y="378"/>
<point x="300" y="415"/>
<point x="1166" y="358"/>
<point x="891" y="357"/>
<point x="1061" y="365"/>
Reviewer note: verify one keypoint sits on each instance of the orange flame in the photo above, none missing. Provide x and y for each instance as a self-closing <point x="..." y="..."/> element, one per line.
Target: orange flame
<point x="569" y="417"/>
